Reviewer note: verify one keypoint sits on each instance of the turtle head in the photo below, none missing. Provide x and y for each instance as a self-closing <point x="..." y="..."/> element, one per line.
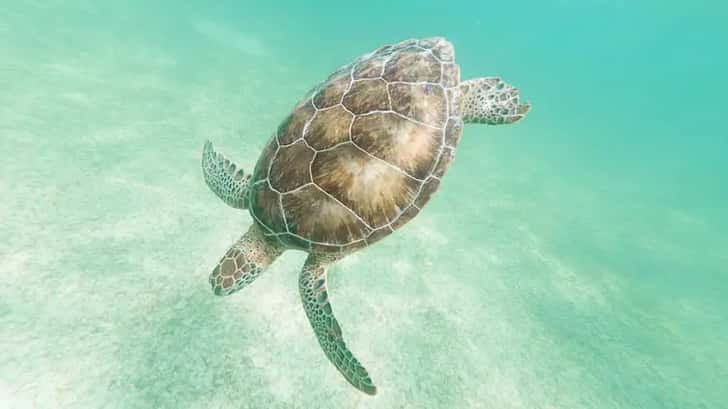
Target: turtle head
<point x="491" y="101"/>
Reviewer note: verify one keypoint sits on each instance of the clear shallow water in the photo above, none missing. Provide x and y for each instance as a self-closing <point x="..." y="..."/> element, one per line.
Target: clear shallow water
<point x="575" y="260"/>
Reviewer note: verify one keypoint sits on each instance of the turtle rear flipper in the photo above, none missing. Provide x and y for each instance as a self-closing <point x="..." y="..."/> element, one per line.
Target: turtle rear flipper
<point x="315" y="298"/>
<point x="228" y="181"/>
<point x="244" y="262"/>
<point x="491" y="101"/>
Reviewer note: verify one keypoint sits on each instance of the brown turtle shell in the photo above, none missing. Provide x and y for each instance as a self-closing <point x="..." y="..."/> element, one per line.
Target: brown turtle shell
<point x="363" y="152"/>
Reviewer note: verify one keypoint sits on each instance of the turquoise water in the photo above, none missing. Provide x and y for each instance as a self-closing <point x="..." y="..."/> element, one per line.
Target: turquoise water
<point x="574" y="260"/>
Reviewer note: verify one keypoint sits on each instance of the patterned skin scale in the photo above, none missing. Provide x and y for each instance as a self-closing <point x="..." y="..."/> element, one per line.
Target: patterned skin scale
<point x="357" y="158"/>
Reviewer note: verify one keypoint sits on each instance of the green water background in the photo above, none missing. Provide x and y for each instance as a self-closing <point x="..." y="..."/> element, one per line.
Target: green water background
<point x="574" y="260"/>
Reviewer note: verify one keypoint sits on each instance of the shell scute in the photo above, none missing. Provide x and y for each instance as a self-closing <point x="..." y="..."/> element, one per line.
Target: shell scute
<point x="266" y="208"/>
<point x="453" y="131"/>
<point x="425" y="103"/>
<point x="371" y="68"/>
<point x="313" y="214"/>
<point x="371" y="188"/>
<point x="366" y="96"/>
<point x="291" y="128"/>
<point x="405" y="144"/>
<point x="330" y="94"/>
<point x="412" y="65"/>
<point x="329" y="127"/>
<point x="285" y="173"/>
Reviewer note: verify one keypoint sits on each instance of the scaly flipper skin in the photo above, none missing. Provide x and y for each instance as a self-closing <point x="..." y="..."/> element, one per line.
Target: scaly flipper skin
<point x="221" y="176"/>
<point x="244" y="262"/>
<point x="491" y="101"/>
<point x="312" y="285"/>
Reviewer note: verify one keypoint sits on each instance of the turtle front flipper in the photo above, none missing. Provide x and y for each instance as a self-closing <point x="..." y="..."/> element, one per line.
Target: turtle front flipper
<point x="228" y="181"/>
<point x="312" y="285"/>
<point x="491" y="101"/>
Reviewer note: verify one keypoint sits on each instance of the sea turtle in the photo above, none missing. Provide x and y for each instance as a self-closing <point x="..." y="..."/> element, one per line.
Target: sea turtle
<point x="358" y="157"/>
